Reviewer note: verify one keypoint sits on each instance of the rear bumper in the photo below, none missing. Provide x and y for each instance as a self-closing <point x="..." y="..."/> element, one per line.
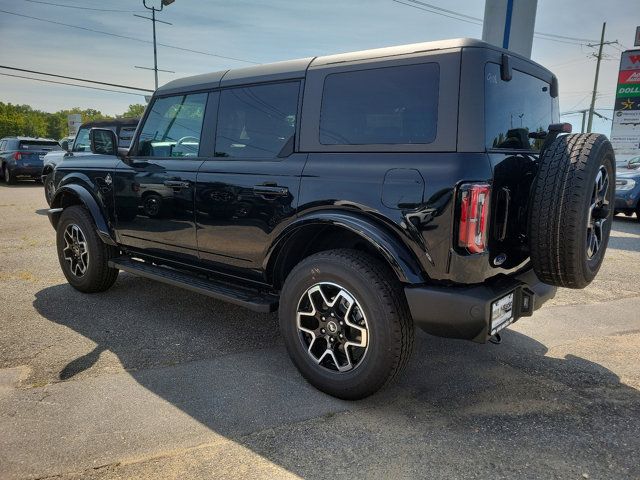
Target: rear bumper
<point x="465" y="311"/>
<point x="31" y="171"/>
<point x="628" y="201"/>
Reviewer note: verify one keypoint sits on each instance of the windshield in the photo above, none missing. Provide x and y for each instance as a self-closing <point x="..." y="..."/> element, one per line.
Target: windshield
<point x="516" y="108"/>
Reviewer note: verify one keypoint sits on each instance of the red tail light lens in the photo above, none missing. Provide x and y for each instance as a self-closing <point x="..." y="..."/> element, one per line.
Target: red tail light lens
<point x="17" y="156"/>
<point x="474" y="217"/>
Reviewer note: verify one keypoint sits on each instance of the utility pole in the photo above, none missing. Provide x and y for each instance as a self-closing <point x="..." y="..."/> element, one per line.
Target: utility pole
<point x="595" y="80"/>
<point x="155" y="49"/>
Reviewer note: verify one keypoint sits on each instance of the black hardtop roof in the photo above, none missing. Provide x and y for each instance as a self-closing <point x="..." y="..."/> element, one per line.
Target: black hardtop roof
<point x="292" y="69"/>
<point x="116" y="122"/>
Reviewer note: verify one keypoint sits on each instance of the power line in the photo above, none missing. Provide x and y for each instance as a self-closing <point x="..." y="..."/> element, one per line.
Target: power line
<point x="126" y="37"/>
<point x="66" y="83"/>
<point x="76" y="78"/>
<point x="79" y="7"/>
<point x="428" y="7"/>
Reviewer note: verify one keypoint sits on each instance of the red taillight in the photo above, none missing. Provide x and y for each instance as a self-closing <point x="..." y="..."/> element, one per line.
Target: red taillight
<point x="474" y="217"/>
<point x="17" y="156"/>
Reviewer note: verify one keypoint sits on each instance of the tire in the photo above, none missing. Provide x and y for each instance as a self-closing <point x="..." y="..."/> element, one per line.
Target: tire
<point x="570" y="213"/>
<point x="8" y="176"/>
<point x="49" y="188"/>
<point x="380" y="309"/>
<point x="97" y="276"/>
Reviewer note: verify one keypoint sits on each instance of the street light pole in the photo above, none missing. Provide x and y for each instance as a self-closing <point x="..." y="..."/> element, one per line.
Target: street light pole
<point x="155" y="48"/>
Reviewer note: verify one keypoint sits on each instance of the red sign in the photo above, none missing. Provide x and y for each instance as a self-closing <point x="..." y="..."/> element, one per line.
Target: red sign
<point x="629" y="76"/>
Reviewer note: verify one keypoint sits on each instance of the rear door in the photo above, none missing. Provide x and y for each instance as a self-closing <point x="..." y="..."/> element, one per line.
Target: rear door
<point x="248" y="191"/>
<point x="154" y="190"/>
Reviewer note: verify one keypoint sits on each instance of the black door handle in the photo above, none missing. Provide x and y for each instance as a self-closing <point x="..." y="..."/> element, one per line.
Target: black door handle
<point x="271" y="190"/>
<point x="177" y="184"/>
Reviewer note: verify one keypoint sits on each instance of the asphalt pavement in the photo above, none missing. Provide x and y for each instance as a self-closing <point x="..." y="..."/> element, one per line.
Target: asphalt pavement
<point x="148" y="381"/>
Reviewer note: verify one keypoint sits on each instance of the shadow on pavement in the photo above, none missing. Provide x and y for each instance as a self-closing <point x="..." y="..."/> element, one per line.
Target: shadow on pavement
<point x="459" y="402"/>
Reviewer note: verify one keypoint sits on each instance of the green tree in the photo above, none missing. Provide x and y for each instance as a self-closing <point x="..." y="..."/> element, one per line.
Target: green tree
<point x="135" y="111"/>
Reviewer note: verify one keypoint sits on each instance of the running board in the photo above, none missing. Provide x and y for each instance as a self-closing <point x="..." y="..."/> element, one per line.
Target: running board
<point x="249" y="298"/>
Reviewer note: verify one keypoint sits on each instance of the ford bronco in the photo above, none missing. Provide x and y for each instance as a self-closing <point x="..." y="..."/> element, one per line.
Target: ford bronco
<point x="359" y="194"/>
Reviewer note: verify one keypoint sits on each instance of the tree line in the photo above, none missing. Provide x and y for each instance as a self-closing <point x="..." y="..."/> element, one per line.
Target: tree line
<point x="22" y="120"/>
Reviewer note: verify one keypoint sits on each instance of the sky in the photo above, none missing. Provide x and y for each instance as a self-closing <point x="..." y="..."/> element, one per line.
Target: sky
<point x="248" y="31"/>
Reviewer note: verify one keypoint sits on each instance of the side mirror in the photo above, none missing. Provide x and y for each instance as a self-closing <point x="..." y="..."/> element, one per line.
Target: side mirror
<point x="103" y="141"/>
<point x="65" y="145"/>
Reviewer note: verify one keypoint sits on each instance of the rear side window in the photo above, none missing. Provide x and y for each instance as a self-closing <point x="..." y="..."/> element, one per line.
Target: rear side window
<point x="257" y="122"/>
<point x="516" y="108"/>
<point x="391" y="105"/>
<point x="39" y="146"/>
<point x="173" y="127"/>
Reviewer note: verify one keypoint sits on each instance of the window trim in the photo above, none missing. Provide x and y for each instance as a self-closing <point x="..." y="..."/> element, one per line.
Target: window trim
<point x="447" y="128"/>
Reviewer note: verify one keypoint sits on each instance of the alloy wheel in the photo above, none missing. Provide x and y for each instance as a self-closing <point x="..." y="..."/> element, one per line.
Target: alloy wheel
<point x="598" y="212"/>
<point x="75" y="251"/>
<point x="332" y="327"/>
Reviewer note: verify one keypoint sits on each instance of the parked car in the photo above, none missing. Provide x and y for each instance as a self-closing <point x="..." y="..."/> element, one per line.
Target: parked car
<point x="21" y="157"/>
<point x="628" y="192"/>
<point x="67" y="142"/>
<point x="359" y="194"/>
<point x="78" y="147"/>
<point x="633" y="163"/>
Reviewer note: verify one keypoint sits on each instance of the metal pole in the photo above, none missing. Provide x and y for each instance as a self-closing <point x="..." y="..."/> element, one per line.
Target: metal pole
<point x="155" y="50"/>
<point x="595" y="81"/>
<point x="584" y="117"/>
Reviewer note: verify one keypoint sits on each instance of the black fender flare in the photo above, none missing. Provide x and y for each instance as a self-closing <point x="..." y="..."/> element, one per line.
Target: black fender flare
<point x="91" y="204"/>
<point x="398" y="255"/>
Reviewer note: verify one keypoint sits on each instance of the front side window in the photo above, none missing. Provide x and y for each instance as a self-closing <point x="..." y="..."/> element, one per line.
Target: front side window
<point x="516" y="108"/>
<point x="391" y="105"/>
<point x="82" y="143"/>
<point x="173" y="127"/>
<point x="257" y="122"/>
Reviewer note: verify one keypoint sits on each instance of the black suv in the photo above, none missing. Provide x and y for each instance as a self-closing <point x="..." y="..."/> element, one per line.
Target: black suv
<point x="124" y="128"/>
<point x="360" y="194"/>
<point x="21" y="157"/>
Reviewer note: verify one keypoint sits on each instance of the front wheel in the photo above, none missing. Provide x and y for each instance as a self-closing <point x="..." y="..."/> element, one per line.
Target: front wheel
<point x="345" y="323"/>
<point x="84" y="258"/>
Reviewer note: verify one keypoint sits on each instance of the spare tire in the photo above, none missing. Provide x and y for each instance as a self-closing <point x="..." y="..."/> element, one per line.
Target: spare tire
<point x="570" y="213"/>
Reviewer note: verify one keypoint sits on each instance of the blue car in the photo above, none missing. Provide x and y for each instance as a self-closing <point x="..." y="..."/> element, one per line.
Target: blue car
<point x="628" y="192"/>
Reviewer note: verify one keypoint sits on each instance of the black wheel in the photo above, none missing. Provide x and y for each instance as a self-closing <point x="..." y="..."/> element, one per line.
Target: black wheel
<point x="8" y="176"/>
<point x="345" y="323"/>
<point x="152" y="205"/>
<point x="570" y="213"/>
<point x="83" y="256"/>
<point x="49" y="188"/>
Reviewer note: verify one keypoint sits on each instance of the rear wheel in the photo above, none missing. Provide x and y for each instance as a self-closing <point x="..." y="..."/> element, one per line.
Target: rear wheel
<point x="8" y="176"/>
<point x="345" y="323"/>
<point x="83" y="256"/>
<point x="571" y="212"/>
<point x="49" y="188"/>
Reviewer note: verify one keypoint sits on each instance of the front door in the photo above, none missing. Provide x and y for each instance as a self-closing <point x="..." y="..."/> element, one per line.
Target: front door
<point x="248" y="191"/>
<point x="154" y="189"/>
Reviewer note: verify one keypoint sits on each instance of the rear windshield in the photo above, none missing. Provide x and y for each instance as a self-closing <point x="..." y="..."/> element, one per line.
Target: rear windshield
<point x="39" y="145"/>
<point x="516" y="108"/>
